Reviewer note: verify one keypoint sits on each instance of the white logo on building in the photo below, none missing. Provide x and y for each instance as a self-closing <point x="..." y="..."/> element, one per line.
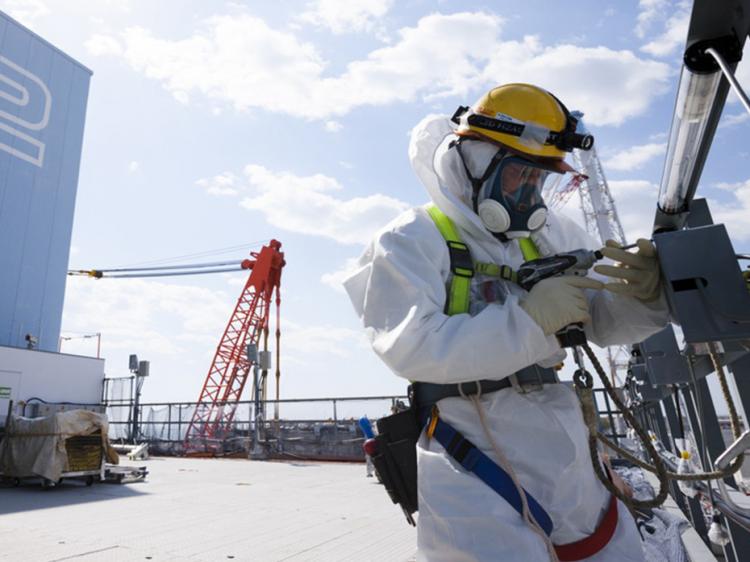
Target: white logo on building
<point x="24" y="145"/>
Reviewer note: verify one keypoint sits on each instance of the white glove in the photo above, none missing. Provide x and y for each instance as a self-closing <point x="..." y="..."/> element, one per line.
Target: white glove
<point x="555" y="302"/>
<point x="637" y="275"/>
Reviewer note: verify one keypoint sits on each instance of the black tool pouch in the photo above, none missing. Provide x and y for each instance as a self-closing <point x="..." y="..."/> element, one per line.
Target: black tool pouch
<point x="396" y="458"/>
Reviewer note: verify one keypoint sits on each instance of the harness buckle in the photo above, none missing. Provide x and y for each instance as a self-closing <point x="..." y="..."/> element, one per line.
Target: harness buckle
<point x="432" y="423"/>
<point x="460" y="257"/>
<point x="467" y="393"/>
<point x="530" y="380"/>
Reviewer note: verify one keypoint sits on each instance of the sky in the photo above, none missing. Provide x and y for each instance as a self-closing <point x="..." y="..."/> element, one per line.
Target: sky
<point x="215" y="125"/>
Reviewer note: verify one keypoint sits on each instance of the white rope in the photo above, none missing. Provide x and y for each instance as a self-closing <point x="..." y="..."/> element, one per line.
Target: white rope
<point x="505" y="465"/>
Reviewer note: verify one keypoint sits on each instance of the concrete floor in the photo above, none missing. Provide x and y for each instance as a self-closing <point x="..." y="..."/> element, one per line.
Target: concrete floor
<point x="209" y="510"/>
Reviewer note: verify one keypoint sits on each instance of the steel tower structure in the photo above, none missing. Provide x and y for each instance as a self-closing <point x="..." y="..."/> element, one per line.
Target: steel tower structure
<point x="602" y="221"/>
<point x="599" y="215"/>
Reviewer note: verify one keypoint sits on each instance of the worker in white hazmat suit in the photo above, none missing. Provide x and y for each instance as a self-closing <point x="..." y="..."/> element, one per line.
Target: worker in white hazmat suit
<point x="535" y="431"/>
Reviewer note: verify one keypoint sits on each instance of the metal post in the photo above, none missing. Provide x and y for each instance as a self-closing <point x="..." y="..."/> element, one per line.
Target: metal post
<point x="252" y="357"/>
<point x="712" y="429"/>
<point x="741" y="374"/>
<point x="258" y="414"/>
<point x="694" y="510"/>
<point x="612" y="426"/>
<point x="661" y="428"/>
<point x="136" y="410"/>
<point x="672" y="422"/>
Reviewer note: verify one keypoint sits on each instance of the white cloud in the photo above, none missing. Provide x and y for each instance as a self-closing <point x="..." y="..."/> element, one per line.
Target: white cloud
<point x="658" y="136"/>
<point x="181" y="96"/>
<point x="133" y="167"/>
<point x="127" y="313"/>
<point x="242" y="61"/>
<point x="177" y="327"/>
<point x="674" y="35"/>
<point x="742" y="74"/>
<point x="649" y="11"/>
<point x="29" y="12"/>
<point x="223" y="184"/>
<point x="608" y="86"/>
<point x="336" y="278"/>
<point x="332" y="340"/>
<point x="99" y="45"/>
<point x="235" y="59"/>
<point x="333" y="126"/>
<point x="352" y="16"/>
<point x="635" y="157"/>
<point x="307" y="204"/>
<point x="732" y="120"/>
<point x="26" y="11"/>
<point x="635" y="201"/>
<point x="735" y="213"/>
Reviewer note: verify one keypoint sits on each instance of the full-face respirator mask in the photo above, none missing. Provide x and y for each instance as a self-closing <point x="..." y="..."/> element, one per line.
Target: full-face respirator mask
<point x="508" y="196"/>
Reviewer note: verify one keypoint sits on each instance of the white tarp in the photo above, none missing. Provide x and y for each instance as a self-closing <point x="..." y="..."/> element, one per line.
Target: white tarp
<point x="36" y="446"/>
<point x="662" y="532"/>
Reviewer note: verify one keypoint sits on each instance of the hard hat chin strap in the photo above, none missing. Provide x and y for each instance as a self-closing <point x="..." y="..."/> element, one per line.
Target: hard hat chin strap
<point x="476" y="183"/>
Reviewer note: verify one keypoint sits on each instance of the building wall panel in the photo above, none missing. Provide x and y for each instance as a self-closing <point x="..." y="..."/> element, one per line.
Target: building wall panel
<point x="43" y="95"/>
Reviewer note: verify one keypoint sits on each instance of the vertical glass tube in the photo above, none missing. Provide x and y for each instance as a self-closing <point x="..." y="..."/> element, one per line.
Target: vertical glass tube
<point x="694" y="101"/>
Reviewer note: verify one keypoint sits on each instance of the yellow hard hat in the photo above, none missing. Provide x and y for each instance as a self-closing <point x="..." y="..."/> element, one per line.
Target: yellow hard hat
<point x="524" y="118"/>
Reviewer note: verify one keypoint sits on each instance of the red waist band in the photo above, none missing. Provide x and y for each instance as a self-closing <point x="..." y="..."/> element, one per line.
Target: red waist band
<point x="592" y="544"/>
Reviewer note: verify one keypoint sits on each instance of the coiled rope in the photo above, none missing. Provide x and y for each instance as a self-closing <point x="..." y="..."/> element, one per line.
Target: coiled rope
<point x="584" y="388"/>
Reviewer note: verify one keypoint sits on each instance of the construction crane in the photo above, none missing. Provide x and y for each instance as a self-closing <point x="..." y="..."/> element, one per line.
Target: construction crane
<point x="217" y="402"/>
<point x="222" y="389"/>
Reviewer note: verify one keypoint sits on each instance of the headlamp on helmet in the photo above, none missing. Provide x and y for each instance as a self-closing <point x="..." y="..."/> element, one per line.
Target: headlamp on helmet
<point x="566" y="140"/>
<point x="525" y="119"/>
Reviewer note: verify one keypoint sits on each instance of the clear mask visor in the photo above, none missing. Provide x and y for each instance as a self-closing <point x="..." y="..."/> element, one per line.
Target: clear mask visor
<point x="522" y="184"/>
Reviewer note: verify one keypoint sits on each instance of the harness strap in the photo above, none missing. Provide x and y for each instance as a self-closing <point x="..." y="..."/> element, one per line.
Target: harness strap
<point x="592" y="544"/>
<point x="465" y="453"/>
<point x="462" y="266"/>
<point x="493" y="270"/>
<point x="528" y="249"/>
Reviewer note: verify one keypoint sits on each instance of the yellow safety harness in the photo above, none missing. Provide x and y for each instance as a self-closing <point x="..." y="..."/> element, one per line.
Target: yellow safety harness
<point x="463" y="266"/>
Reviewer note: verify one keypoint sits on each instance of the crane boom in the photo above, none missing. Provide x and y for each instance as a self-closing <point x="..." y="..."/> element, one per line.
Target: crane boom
<point x="214" y="413"/>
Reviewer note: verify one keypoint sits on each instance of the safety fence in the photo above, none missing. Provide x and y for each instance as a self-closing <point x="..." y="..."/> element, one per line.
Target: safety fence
<point x="690" y="412"/>
<point x="308" y="427"/>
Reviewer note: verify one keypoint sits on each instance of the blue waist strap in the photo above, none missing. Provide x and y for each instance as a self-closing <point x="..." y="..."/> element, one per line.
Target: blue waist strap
<point x="474" y="460"/>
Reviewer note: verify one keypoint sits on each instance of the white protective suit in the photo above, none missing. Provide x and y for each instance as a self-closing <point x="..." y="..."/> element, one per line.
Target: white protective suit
<point x="399" y="291"/>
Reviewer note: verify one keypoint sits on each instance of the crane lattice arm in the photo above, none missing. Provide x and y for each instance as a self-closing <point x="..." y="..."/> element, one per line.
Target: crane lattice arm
<point x="230" y="367"/>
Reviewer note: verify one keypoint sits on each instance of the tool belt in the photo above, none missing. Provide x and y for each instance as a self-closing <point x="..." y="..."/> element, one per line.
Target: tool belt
<point x="396" y="456"/>
<point x="526" y="380"/>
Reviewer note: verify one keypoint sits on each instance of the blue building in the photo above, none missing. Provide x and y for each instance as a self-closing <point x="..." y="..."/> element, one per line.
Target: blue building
<point x="43" y="95"/>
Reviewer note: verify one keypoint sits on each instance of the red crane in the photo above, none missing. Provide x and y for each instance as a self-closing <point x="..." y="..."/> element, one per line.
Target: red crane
<point x="230" y="367"/>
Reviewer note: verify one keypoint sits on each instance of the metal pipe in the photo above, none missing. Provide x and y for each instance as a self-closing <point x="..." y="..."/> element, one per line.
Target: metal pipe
<point x="238" y="267"/>
<point x="729" y="75"/>
<point x="167" y="267"/>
